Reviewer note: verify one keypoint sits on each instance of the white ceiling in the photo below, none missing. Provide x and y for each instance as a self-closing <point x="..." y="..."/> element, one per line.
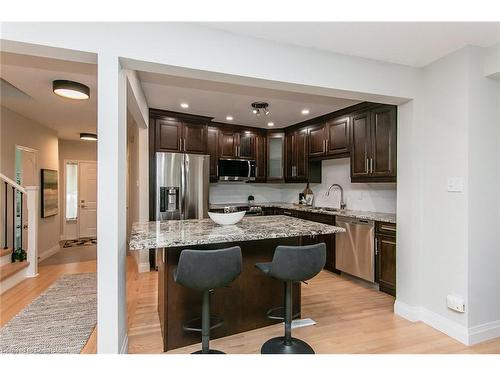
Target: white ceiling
<point x="33" y="76"/>
<point x="410" y="43"/>
<point x="218" y="100"/>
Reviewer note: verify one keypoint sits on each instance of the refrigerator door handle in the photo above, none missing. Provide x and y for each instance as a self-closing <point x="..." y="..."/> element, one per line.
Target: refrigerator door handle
<point x="183" y="189"/>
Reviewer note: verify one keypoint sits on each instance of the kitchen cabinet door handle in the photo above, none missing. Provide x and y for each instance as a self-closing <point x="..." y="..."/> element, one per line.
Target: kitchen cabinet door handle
<point x="371" y="165"/>
<point x="180" y="144"/>
<point x="376" y="246"/>
<point x="366" y="166"/>
<point x="287" y="213"/>
<point x="387" y="228"/>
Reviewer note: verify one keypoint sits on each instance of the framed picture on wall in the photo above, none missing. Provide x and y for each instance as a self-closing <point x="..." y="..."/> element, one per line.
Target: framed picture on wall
<point x="50" y="193"/>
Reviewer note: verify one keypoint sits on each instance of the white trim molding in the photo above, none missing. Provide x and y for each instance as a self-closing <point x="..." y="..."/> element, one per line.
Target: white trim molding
<point x="439" y="322"/>
<point x="484" y="332"/>
<point x="47" y="253"/>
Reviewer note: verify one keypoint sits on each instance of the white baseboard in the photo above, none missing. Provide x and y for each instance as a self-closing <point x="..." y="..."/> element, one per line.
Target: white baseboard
<point x="143" y="267"/>
<point x="439" y="322"/>
<point x="124" y="347"/>
<point x="484" y="332"/>
<point x="49" y="252"/>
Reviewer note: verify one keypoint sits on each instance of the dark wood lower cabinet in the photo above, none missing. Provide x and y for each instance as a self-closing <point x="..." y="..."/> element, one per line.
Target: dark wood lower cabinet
<point x="385" y="253"/>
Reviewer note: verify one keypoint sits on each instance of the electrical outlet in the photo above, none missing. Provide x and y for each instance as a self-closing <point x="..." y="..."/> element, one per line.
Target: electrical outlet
<point x="455" y="184"/>
<point x="455" y="303"/>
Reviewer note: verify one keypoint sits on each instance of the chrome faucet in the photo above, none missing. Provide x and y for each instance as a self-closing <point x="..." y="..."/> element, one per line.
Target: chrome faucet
<point x="342" y="203"/>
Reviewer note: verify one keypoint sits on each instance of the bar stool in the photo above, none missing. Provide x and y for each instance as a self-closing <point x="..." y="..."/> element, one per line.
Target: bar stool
<point x="205" y="270"/>
<point x="292" y="264"/>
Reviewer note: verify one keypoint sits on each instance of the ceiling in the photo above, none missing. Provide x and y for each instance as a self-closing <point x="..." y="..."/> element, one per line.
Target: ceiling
<point x="218" y="100"/>
<point x="27" y="90"/>
<point x="409" y="43"/>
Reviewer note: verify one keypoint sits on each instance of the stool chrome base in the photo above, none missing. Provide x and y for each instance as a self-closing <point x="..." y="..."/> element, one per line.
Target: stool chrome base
<point x="211" y="351"/>
<point x="277" y="345"/>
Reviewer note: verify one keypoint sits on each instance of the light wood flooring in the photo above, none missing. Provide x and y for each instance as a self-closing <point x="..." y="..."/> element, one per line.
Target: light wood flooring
<point x="350" y="318"/>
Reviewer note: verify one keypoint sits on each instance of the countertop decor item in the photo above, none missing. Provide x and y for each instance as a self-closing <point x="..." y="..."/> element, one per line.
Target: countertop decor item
<point x="309" y="195"/>
<point x="230" y="218"/>
<point x="251" y="199"/>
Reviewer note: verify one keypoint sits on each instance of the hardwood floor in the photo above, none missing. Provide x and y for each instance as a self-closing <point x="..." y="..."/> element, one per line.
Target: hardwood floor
<point x="350" y="318"/>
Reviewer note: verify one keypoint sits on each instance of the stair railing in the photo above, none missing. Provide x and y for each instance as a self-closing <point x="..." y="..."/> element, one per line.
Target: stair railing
<point x="32" y="193"/>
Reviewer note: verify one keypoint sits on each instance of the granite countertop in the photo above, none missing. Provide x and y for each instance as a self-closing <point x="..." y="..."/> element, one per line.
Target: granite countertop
<point x="174" y="233"/>
<point x="368" y="215"/>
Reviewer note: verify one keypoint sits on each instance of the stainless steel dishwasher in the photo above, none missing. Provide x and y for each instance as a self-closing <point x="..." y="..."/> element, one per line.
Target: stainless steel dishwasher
<point x="355" y="248"/>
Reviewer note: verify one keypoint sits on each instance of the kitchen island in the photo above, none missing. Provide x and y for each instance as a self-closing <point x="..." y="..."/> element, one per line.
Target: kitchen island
<point x="244" y="303"/>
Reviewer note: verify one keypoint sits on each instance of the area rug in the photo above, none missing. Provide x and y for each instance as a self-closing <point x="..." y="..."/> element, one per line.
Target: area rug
<point x="80" y="242"/>
<point x="60" y="320"/>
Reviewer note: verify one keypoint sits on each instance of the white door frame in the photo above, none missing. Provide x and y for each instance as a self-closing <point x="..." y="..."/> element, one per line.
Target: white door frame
<point x="77" y="221"/>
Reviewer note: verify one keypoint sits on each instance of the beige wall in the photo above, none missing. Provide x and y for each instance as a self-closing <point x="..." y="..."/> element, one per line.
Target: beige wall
<point x="21" y="131"/>
<point x="72" y="150"/>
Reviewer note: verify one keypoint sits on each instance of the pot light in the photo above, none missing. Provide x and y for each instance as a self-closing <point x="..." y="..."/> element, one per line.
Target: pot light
<point x="88" y="136"/>
<point x="70" y="89"/>
<point x="229" y="118"/>
<point x="270" y="123"/>
<point x="305" y="111"/>
<point x="184" y="105"/>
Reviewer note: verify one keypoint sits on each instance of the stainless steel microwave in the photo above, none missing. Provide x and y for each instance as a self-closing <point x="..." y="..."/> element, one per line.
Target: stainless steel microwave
<point x="236" y="170"/>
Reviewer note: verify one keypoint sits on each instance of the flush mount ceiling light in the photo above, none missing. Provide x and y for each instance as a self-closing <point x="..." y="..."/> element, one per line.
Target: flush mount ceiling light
<point x="229" y="118"/>
<point x="305" y="111"/>
<point x="88" y="137"/>
<point x="70" y="89"/>
<point x="270" y="123"/>
<point x="260" y="106"/>
<point x="184" y="105"/>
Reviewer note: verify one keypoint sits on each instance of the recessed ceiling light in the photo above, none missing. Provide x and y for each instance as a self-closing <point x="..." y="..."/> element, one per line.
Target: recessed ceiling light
<point x="88" y="136"/>
<point x="270" y="123"/>
<point x="184" y="105"/>
<point x="70" y="89"/>
<point x="229" y="118"/>
<point x="305" y="111"/>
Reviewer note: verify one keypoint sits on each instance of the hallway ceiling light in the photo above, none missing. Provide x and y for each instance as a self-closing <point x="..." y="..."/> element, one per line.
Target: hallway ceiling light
<point x="260" y="106"/>
<point x="70" y="89"/>
<point x="305" y="111"/>
<point x="184" y="105"/>
<point x="88" y="137"/>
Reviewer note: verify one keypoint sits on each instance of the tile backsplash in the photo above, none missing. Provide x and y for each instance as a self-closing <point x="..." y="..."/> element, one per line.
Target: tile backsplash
<point x="380" y="197"/>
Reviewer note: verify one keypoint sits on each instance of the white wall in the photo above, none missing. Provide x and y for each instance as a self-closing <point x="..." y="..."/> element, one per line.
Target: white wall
<point x="483" y="195"/>
<point x="21" y="131"/>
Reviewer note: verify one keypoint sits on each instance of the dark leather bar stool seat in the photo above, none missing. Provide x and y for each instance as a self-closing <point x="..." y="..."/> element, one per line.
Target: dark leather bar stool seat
<point x="292" y="264"/>
<point x="205" y="270"/>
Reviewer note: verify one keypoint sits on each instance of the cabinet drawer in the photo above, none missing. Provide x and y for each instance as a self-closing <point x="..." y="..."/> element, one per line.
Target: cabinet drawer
<point x="388" y="229"/>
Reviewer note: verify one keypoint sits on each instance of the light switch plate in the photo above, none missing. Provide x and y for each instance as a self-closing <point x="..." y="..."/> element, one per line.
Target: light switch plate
<point x="455" y="184"/>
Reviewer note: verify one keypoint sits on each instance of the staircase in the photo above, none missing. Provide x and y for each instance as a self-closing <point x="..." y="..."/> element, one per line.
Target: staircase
<point x="13" y="270"/>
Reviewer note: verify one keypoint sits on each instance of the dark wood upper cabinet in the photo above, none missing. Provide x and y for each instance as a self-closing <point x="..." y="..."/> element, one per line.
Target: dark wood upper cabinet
<point x="194" y="138"/>
<point x="337" y="136"/>
<point x="360" y="145"/>
<point x="384" y="142"/>
<point x="296" y="156"/>
<point x="246" y="145"/>
<point x="168" y="135"/>
<point x="213" y="151"/>
<point x="261" y="158"/>
<point x="227" y="144"/>
<point x="317" y="140"/>
<point x="373" y="145"/>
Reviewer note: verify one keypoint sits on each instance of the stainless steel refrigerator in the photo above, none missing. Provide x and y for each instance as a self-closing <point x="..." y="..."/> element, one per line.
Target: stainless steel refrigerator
<point x="182" y="182"/>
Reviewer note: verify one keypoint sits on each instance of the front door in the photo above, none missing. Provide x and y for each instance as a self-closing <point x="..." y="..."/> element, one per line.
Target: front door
<point x="88" y="199"/>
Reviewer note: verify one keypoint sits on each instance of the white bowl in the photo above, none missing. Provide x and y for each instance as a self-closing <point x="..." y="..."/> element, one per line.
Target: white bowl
<point x="226" y="218"/>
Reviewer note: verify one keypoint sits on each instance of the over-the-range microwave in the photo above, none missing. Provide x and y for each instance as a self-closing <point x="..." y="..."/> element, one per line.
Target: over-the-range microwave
<point x="236" y="170"/>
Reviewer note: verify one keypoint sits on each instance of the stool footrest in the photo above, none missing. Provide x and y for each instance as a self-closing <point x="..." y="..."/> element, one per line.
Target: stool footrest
<point x="278" y="313"/>
<point x="194" y="325"/>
